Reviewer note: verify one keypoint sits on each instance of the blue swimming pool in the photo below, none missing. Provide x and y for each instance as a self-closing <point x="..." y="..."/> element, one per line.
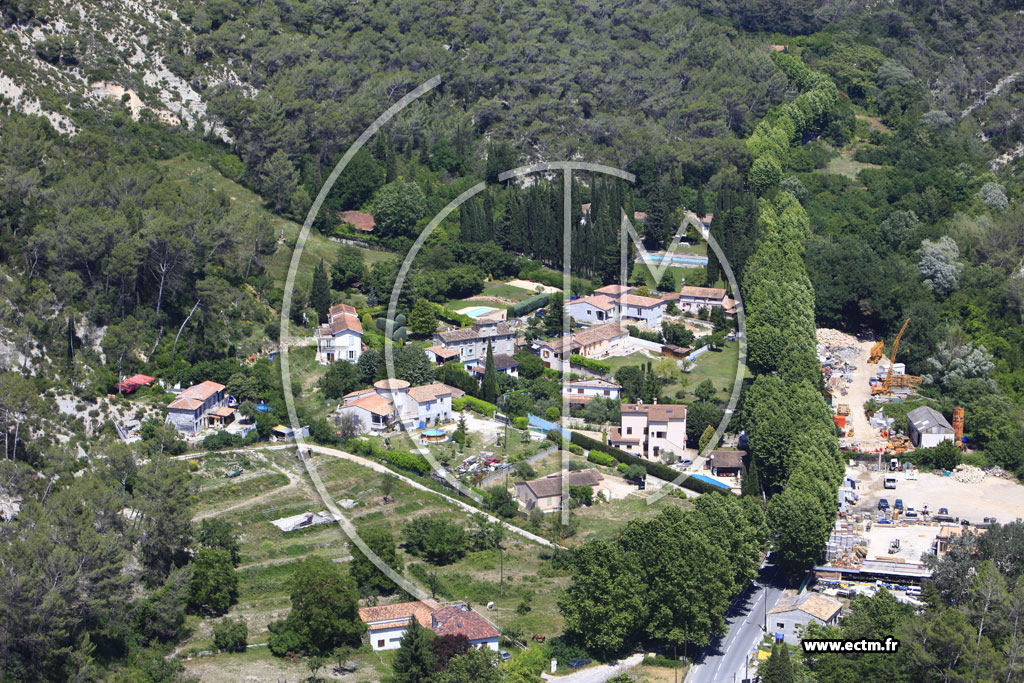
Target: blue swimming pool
<point x="477" y="311"/>
<point x="675" y="260"/>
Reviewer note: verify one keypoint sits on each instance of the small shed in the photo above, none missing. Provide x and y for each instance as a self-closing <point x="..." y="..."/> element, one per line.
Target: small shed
<point x="727" y="463"/>
<point x="927" y="427"/>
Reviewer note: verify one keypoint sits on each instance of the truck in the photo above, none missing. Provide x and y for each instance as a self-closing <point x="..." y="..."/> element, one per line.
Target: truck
<point x="894" y="464"/>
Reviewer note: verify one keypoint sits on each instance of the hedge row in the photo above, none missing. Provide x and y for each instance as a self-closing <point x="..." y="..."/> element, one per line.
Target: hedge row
<point x="413" y="462"/>
<point x="655" y="469"/>
<point x="448" y="315"/>
<point x="529" y="305"/>
<point x="590" y="363"/>
<point x="475" y="404"/>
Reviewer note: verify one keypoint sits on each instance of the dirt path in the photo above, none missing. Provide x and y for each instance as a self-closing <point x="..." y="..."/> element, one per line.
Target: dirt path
<point x="294" y="481"/>
<point x="865" y="437"/>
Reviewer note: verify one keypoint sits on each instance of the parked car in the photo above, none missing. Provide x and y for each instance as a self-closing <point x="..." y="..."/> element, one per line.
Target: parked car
<point x="898" y="504"/>
<point x="911" y="513"/>
<point x="943" y="511"/>
<point x="577" y="663"/>
<point x="883" y="504"/>
<point x="505" y="656"/>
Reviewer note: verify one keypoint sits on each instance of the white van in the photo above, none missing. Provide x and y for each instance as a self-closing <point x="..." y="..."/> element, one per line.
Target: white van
<point x="890" y="482"/>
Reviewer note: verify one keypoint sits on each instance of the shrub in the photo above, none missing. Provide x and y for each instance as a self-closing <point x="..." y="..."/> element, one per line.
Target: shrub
<point x="521" y="422"/>
<point x="475" y="404"/>
<point x="414" y="462"/>
<point x="573" y="448"/>
<point x="599" y="458"/>
<point x="590" y="363"/>
<point x="230" y="635"/>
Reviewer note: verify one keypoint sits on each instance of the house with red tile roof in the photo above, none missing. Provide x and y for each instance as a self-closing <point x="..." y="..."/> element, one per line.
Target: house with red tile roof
<point x="591" y="309"/>
<point x="647" y="311"/>
<point x="386" y="624"/>
<point x="394" y="404"/>
<point x="191" y="410"/>
<point x="341" y="338"/>
<point x="359" y="220"/>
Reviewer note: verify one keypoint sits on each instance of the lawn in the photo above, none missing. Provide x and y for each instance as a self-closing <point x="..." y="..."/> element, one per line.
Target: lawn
<point x="506" y="291"/>
<point x="719" y="367"/>
<point x="845" y="165"/>
<point x="605" y="520"/>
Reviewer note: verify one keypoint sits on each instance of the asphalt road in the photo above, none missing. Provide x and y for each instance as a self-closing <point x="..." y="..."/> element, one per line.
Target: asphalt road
<point x="724" y="659"/>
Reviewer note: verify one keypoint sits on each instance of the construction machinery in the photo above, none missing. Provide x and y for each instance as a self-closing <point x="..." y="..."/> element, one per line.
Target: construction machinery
<point x="876" y="351"/>
<point x="892" y="381"/>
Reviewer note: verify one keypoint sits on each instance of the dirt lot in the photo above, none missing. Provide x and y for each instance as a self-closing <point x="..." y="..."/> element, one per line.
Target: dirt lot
<point x="915" y="541"/>
<point x="991" y="497"/>
<point x="866" y="437"/>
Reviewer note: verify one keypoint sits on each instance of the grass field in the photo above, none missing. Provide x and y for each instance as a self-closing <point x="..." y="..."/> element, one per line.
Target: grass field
<point x="506" y="291"/>
<point x="845" y="165"/>
<point x="718" y="366"/>
<point x="604" y="521"/>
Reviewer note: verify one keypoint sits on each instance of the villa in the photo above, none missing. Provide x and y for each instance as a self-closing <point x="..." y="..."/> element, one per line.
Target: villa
<point x="649" y="430"/>
<point x="394" y="404"/>
<point x="341" y="338"/>
<point x="471" y="342"/>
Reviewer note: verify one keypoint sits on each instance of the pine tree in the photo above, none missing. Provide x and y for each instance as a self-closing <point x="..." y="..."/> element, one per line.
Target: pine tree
<point x="489" y="386"/>
<point x="320" y="295"/>
<point x="778" y="668"/>
<point x="415" y="660"/>
<point x="751" y="481"/>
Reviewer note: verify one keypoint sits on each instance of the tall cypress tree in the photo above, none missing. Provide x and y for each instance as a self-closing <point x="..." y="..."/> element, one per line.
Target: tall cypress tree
<point x="702" y="208"/>
<point x="415" y="661"/>
<point x="489" y="386"/>
<point x="320" y="295"/>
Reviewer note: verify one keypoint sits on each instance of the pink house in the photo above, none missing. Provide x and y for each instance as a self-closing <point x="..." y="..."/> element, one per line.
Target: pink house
<point x="650" y="430"/>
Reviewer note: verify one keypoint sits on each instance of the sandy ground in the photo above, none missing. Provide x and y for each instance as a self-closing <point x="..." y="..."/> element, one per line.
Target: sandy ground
<point x="532" y="286"/>
<point x="915" y="541"/>
<point x="991" y="497"/>
<point x="866" y="437"/>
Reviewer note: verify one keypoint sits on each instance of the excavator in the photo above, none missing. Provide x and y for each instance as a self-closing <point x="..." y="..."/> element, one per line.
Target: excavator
<point x="892" y="381"/>
<point x="876" y="351"/>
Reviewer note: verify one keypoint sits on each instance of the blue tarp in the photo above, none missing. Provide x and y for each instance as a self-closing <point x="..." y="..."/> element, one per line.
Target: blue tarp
<point x="540" y="423"/>
<point x="709" y="480"/>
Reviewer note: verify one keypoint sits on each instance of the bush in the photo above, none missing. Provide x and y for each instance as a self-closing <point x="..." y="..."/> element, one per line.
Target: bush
<point x="230" y="635"/>
<point x="521" y="422"/>
<point x="475" y="404"/>
<point x="574" y="449"/>
<point x="590" y="364"/>
<point x="655" y="469"/>
<point x="414" y="462"/>
<point x="529" y="305"/>
<point x="599" y="458"/>
<point x="435" y="539"/>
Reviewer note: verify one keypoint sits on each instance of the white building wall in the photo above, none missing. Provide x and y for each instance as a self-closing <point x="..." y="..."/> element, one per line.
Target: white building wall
<point x="583" y="311"/>
<point x="933" y="439"/>
<point x="391" y="636"/>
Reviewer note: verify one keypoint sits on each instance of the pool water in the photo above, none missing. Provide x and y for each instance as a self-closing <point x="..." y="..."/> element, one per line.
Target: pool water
<point x="477" y="311"/>
<point x="658" y="259"/>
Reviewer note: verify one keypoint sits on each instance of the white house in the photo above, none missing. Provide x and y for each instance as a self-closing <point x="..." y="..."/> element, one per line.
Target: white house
<point x="393" y="404"/>
<point x="196" y="407"/>
<point x="649" y="430"/>
<point x="696" y="299"/>
<point x="583" y="390"/>
<point x="792" y="614"/>
<point x="386" y="624"/>
<point x="927" y="427"/>
<point x="341" y="338"/>
<point x="645" y="310"/>
<point x="592" y="309"/>
<point x="471" y="342"/>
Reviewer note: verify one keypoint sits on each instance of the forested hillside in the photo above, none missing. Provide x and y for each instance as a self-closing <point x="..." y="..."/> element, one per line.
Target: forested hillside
<point x="155" y="161"/>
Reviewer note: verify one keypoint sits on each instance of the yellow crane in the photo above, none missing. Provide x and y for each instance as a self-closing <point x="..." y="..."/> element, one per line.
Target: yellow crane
<point x="886" y="385"/>
<point x="876" y="351"/>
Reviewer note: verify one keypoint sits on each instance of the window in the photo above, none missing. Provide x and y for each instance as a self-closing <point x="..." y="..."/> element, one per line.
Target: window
<point x="629" y="430"/>
<point x="779" y="625"/>
<point x="380" y="643"/>
<point x="607" y="392"/>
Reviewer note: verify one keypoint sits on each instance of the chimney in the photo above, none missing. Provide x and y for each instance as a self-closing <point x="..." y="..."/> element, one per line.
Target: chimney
<point x="655" y="400"/>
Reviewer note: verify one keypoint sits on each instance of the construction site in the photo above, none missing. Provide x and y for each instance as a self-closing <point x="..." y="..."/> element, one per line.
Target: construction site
<point x="857" y="371"/>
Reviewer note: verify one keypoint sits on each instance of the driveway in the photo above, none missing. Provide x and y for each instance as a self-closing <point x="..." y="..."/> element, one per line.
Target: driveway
<point x="599" y="673"/>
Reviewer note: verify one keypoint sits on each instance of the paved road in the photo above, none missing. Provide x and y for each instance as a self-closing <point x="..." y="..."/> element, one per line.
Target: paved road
<point x="726" y="656"/>
<point x="597" y="674"/>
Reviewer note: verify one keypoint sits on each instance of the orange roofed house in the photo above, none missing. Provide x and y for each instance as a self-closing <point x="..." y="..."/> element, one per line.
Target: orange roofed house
<point x="386" y="624"/>
<point x="341" y="338"/>
<point x="649" y="430"/>
<point x="360" y="220"/>
<point x="197" y="407"/>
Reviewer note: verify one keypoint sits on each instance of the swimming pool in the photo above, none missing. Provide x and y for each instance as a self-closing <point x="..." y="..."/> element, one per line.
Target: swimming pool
<point x="675" y="259"/>
<point x="477" y="311"/>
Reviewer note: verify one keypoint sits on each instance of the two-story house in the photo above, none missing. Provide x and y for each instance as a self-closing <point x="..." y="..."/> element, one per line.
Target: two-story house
<point x="471" y="342"/>
<point x="696" y="299"/>
<point x="394" y="404"/>
<point x="649" y="430"/>
<point x="191" y="411"/>
<point x="646" y="311"/>
<point x="341" y="338"/>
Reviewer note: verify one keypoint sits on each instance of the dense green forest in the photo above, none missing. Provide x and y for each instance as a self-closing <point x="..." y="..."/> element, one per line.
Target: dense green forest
<point x="856" y="180"/>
